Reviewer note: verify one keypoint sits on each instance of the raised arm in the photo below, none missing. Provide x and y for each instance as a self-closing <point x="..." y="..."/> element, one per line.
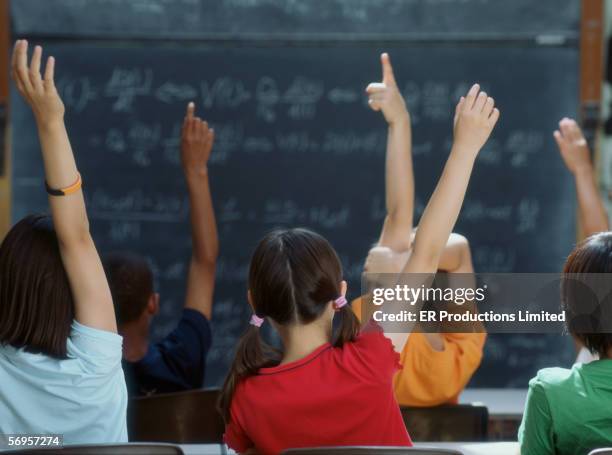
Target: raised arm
<point x="90" y="291"/>
<point x="574" y="150"/>
<point x="475" y="118"/>
<point x="196" y="144"/>
<point x="399" y="178"/>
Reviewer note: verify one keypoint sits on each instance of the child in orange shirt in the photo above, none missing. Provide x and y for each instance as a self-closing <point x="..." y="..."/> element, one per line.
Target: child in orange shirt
<point x="436" y="366"/>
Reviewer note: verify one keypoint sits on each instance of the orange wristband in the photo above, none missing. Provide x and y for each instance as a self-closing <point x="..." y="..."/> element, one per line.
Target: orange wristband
<point x="76" y="186"/>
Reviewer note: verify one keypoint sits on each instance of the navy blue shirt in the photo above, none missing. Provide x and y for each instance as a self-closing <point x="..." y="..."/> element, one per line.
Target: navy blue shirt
<point x="174" y="364"/>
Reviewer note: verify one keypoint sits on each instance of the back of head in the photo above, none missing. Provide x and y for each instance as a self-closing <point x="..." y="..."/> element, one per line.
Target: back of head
<point x="294" y="274"/>
<point x="293" y="277"/>
<point x="590" y="257"/>
<point x="36" y="306"/>
<point x="131" y="282"/>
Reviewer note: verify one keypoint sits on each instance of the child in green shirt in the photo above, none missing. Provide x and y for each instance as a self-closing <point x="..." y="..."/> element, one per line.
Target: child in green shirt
<point x="570" y="411"/>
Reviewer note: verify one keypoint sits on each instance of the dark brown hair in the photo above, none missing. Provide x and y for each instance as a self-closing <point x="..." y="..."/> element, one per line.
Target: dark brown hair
<point x="583" y="311"/>
<point x="131" y="283"/>
<point x="36" y="306"/>
<point x="293" y="276"/>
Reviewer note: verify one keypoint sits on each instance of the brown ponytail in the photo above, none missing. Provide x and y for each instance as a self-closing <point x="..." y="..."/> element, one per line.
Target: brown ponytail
<point x="293" y="277"/>
<point x="251" y="355"/>
<point x="348" y="328"/>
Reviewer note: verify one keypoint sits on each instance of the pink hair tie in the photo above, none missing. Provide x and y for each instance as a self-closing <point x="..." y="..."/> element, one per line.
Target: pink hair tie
<point x="340" y="302"/>
<point x="256" y="320"/>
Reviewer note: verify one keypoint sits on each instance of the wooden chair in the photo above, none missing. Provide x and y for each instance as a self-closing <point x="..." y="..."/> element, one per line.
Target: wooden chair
<point x="184" y="418"/>
<point x="106" y="449"/>
<point x="374" y="450"/>
<point x="447" y="423"/>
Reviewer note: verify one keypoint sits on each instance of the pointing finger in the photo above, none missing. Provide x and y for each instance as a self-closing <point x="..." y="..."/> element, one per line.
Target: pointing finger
<point x="387" y="69"/>
<point x="190" y="109"/>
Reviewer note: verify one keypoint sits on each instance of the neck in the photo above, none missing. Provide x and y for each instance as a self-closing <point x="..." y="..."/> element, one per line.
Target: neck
<point x="301" y="340"/>
<point x="135" y="345"/>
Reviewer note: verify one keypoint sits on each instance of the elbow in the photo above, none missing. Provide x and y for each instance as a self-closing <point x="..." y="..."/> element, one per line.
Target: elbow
<point x="207" y="259"/>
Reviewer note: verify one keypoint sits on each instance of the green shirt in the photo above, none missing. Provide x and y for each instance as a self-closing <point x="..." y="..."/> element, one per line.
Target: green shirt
<point x="568" y="412"/>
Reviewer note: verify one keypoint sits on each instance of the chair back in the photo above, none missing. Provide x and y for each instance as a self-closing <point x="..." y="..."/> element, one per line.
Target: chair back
<point x="184" y="417"/>
<point x="447" y="423"/>
<point x="106" y="449"/>
<point x="374" y="450"/>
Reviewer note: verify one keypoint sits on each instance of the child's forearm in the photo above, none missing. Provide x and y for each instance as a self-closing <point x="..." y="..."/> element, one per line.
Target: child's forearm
<point x="593" y="214"/>
<point x="69" y="214"/>
<point x="196" y="145"/>
<point x="441" y="213"/>
<point x="399" y="186"/>
<point x="202" y="215"/>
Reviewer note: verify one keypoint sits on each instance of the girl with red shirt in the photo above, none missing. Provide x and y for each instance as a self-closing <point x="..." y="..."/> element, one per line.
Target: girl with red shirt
<point x="326" y="389"/>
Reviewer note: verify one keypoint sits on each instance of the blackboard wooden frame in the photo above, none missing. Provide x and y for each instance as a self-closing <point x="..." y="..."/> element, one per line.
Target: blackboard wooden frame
<point x="5" y="175"/>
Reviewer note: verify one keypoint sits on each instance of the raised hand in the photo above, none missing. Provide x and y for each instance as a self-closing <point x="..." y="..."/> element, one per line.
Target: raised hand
<point x="196" y="143"/>
<point x="475" y="118"/>
<point x="39" y="92"/>
<point x="573" y="146"/>
<point x="385" y="96"/>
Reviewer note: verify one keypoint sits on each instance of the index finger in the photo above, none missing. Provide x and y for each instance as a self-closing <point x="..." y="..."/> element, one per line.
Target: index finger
<point x="387" y="69"/>
<point x="190" y="109"/>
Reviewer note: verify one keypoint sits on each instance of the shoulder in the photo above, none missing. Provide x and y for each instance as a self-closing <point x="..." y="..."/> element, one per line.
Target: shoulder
<point x="551" y="382"/>
<point x="550" y="378"/>
<point x="86" y="342"/>
<point x="195" y="319"/>
<point x="193" y="330"/>
<point x="371" y="353"/>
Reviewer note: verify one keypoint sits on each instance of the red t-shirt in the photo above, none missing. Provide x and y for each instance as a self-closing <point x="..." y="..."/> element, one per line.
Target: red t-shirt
<point x="332" y="397"/>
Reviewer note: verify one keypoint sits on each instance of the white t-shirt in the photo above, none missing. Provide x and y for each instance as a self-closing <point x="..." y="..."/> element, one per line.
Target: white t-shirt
<point x="83" y="397"/>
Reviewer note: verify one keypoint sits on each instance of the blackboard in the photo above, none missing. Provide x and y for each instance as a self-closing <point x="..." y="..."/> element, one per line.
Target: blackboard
<point x="282" y="83"/>
<point x="299" y="19"/>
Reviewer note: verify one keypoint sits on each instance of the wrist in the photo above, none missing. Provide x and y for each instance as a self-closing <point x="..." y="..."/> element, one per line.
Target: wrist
<point x="195" y="175"/>
<point x="463" y="152"/>
<point x="583" y="171"/>
<point x="400" y="120"/>
<point x="49" y="124"/>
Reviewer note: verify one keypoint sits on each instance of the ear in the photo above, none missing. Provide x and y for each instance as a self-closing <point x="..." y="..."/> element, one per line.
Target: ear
<point x="153" y="304"/>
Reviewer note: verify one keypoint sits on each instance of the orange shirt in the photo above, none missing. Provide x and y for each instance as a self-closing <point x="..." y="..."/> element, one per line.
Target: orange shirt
<point x="429" y="377"/>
